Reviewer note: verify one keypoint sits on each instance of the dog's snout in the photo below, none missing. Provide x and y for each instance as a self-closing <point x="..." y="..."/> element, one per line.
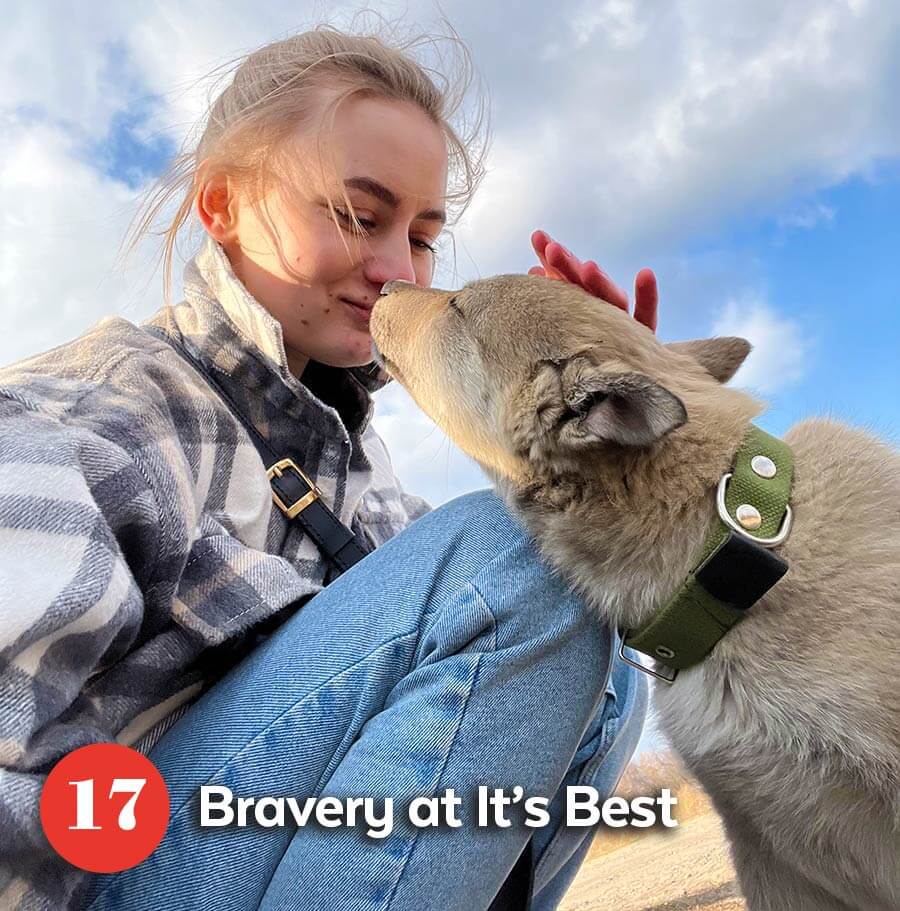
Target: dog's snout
<point x="394" y="284"/>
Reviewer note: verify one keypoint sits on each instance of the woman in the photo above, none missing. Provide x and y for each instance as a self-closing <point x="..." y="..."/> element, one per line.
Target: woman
<point x="147" y="563"/>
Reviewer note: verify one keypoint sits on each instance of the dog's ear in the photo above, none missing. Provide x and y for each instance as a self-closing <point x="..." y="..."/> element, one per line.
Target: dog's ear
<point x="721" y="356"/>
<point x="573" y="404"/>
<point x="627" y="408"/>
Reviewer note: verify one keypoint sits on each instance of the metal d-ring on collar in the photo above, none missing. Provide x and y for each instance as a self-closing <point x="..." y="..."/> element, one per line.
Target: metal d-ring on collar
<point x="778" y="538"/>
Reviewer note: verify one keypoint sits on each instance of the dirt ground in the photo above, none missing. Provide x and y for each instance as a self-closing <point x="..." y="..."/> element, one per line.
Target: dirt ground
<point x="683" y="869"/>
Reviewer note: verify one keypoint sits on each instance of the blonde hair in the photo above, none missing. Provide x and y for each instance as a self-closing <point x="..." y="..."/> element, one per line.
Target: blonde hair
<point x="282" y="86"/>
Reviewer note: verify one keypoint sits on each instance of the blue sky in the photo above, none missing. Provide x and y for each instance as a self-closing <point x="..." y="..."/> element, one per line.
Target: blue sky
<point x="842" y="274"/>
<point x="125" y="153"/>
<point x="835" y="278"/>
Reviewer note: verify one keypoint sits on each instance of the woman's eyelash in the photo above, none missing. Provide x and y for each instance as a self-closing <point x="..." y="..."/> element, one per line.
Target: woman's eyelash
<point x="345" y="216"/>
<point x="367" y="225"/>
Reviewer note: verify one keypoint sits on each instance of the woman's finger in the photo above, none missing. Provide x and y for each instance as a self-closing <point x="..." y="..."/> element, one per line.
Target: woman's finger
<point x="646" y="299"/>
<point x="560" y="263"/>
<point x="588" y="275"/>
<point x="541" y="248"/>
<point x="563" y="262"/>
<point x="539" y="240"/>
<point x="598" y="283"/>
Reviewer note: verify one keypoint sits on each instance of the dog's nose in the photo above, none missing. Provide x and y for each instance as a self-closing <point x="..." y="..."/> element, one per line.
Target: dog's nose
<point x="394" y="284"/>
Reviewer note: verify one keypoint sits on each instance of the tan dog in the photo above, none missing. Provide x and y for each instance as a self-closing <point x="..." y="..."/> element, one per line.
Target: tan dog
<point x="609" y="446"/>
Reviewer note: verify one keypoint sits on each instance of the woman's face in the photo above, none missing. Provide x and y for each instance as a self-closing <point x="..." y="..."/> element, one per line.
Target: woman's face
<point x="392" y="161"/>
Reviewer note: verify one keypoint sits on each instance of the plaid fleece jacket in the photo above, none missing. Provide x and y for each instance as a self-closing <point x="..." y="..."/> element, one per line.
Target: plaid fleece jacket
<point x="140" y="551"/>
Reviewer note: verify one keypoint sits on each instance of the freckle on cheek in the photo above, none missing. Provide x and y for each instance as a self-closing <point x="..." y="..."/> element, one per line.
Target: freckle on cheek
<point x="328" y="309"/>
<point x="305" y="322"/>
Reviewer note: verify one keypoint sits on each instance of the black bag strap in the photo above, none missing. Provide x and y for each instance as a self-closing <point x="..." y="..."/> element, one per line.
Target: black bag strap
<point x="515" y="893"/>
<point x="293" y="492"/>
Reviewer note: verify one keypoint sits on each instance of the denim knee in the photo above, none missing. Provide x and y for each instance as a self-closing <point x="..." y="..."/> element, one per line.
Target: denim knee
<point x="509" y="605"/>
<point x="474" y="525"/>
<point x="475" y="539"/>
<point x="484" y="501"/>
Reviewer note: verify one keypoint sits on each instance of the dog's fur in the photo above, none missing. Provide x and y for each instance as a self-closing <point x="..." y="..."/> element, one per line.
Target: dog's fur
<point x="609" y="445"/>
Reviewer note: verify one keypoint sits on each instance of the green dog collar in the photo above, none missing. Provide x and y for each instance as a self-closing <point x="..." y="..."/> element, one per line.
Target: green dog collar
<point x="736" y="566"/>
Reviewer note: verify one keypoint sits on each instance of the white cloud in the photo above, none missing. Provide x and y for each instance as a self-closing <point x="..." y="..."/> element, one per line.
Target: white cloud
<point x="615" y="20"/>
<point x="807" y="216"/>
<point x="59" y="64"/>
<point x="705" y="111"/>
<point x="781" y="346"/>
<point x="60" y="226"/>
<point x="508" y="206"/>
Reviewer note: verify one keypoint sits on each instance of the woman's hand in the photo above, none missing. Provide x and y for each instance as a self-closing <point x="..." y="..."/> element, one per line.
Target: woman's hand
<point x="558" y="262"/>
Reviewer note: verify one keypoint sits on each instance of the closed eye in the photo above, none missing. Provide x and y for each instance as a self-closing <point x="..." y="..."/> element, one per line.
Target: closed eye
<point x="453" y="304"/>
<point x="344" y="216"/>
<point x="367" y="226"/>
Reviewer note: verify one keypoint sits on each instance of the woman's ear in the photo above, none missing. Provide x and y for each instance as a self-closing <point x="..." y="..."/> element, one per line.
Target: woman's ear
<point x="217" y="207"/>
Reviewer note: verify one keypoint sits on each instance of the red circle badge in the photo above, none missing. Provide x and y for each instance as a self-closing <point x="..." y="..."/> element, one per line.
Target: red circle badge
<point x="104" y="807"/>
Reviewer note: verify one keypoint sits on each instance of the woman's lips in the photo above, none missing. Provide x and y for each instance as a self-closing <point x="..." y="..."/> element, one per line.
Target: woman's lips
<point x="361" y="311"/>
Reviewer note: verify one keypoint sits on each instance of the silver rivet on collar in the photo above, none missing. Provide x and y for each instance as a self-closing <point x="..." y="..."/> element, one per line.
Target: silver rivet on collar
<point x="664" y="651"/>
<point x="763" y="466"/>
<point x="748" y="516"/>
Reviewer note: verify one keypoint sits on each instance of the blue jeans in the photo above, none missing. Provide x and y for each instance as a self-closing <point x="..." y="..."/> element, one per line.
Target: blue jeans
<point x="450" y="657"/>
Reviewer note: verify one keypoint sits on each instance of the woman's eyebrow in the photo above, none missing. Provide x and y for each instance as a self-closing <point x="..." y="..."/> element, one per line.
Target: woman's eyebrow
<point x="380" y="191"/>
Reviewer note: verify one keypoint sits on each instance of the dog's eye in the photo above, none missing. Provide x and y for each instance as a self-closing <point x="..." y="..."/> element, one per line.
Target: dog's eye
<point x="454" y="305"/>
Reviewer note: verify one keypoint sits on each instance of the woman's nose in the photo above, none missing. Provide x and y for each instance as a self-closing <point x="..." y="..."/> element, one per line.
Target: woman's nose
<point x="389" y="261"/>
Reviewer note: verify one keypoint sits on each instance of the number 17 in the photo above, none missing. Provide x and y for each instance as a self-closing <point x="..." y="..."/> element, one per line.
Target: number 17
<point x="84" y="802"/>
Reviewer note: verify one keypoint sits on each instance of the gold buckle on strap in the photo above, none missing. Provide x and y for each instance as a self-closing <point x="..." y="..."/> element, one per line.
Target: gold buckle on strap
<point x="277" y="471"/>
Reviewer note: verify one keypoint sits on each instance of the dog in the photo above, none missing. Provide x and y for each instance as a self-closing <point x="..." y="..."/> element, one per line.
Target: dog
<point x="610" y="446"/>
